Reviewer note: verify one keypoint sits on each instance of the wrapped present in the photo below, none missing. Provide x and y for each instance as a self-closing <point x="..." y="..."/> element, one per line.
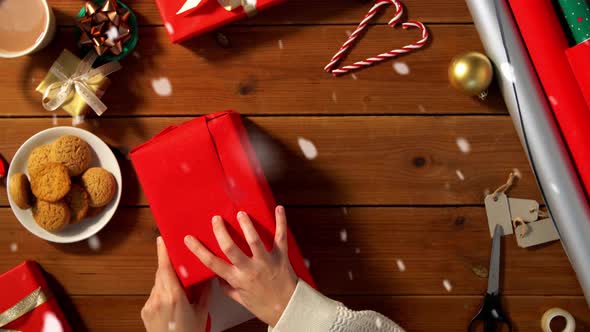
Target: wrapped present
<point x="74" y="85"/>
<point x="199" y="169"/>
<point x="26" y="303"/>
<point x="188" y="18"/>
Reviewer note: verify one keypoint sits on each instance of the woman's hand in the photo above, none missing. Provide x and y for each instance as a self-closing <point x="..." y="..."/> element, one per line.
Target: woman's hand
<point x="263" y="283"/>
<point x="168" y="309"/>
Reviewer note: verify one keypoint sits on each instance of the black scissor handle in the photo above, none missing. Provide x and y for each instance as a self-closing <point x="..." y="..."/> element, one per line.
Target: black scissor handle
<point x="490" y="314"/>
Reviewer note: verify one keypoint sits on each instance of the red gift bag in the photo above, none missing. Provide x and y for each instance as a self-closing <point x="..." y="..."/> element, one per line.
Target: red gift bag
<point x="199" y="169"/>
<point x="26" y="303"/>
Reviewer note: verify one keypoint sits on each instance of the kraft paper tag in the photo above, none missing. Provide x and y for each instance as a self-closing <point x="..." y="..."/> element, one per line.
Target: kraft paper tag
<point x="535" y="233"/>
<point x="525" y="209"/>
<point x="498" y="212"/>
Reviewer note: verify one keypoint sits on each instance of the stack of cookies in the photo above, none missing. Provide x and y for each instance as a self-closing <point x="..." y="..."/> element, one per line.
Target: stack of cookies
<point x="63" y="188"/>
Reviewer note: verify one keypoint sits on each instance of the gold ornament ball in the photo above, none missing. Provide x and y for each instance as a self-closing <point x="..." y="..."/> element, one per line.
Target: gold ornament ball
<point x="471" y="73"/>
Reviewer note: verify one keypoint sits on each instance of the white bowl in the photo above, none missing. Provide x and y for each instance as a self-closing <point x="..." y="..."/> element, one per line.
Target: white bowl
<point x="102" y="156"/>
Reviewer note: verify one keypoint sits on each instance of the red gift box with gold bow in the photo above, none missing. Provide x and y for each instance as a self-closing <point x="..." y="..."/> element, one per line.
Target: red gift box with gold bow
<point x="184" y="19"/>
<point x="26" y="303"/>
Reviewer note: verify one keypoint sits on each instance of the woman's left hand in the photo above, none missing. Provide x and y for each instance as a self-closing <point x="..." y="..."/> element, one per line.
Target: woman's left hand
<point x="167" y="308"/>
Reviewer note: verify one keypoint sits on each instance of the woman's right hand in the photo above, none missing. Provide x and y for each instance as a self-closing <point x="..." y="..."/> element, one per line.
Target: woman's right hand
<point x="263" y="283"/>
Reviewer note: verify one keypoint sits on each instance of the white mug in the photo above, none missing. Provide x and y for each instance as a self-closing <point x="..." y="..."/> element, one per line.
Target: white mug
<point x="43" y="40"/>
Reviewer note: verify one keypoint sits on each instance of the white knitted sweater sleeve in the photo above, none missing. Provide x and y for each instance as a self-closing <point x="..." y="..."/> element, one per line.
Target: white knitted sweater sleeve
<point x="310" y="311"/>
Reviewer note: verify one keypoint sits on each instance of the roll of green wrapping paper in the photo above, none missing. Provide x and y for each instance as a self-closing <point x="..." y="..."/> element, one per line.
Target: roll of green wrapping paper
<point x="577" y="15"/>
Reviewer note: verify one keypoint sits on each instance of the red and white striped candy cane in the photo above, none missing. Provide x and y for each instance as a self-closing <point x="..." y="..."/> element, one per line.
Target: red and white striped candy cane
<point x="383" y="56"/>
<point x="399" y="11"/>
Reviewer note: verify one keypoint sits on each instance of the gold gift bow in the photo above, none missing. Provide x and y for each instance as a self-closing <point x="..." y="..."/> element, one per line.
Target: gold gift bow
<point x="229" y="5"/>
<point x="57" y="93"/>
<point x="23" y="307"/>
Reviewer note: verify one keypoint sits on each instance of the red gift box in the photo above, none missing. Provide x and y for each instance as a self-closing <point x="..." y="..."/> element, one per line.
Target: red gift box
<point x="199" y="169"/>
<point x="206" y="16"/>
<point x="26" y="303"/>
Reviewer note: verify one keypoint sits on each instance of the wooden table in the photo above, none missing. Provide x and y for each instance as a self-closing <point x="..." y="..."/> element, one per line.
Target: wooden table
<point x="385" y="174"/>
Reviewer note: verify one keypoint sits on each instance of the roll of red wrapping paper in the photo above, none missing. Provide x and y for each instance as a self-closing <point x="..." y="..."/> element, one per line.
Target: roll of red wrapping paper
<point x="546" y="42"/>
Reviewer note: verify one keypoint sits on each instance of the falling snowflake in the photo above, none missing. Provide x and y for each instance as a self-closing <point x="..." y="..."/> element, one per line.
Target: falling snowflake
<point x="401" y="68"/>
<point x="281" y="46"/>
<point x="354" y="77"/>
<point x="343" y="235"/>
<point x="463" y="145"/>
<point x="350" y="275"/>
<point x="77" y="120"/>
<point x="162" y="86"/>
<point x="308" y="148"/>
<point x="306" y="262"/>
<point x="507" y="71"/>
<point x="401" y="266"/>
<point x="94" y="243"/>
<point x="54" y="120"/>
<point x="460" y="174"/>
<point x="51" y="323"/>
<point x="357" y="250"/>
<point x="13" y="247"/>
<point x="378" y="322"/>
<point x="554" y="187"/>
<point x="182" y="271"/>
<point x="171" y="326"/>
<point x="447" y="285"/>
<point x="112" y="33"/>
<point x="334" y="97"/>
<point x="185" y="168"/>
<point x="169" y="27"/>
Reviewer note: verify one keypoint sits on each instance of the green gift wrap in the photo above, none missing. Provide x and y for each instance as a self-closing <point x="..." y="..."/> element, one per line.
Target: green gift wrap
<point x="577" y="15"/>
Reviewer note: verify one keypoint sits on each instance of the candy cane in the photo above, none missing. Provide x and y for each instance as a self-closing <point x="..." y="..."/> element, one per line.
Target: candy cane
<point x="399" y="11"/>
<point x="383" y="56"/>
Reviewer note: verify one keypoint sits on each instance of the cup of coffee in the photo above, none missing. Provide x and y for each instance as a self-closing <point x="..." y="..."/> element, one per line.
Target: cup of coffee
<point x="26" y="26"/>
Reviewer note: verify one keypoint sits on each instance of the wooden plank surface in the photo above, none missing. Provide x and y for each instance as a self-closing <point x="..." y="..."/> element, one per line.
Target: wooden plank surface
<point x="298" y="12"/>
<point x="361" y="160"/>
<point x="414" y="313"/>
<point x="389" y="174"/>
<point x="433" y="244"/>
<point x="255" y="76"/>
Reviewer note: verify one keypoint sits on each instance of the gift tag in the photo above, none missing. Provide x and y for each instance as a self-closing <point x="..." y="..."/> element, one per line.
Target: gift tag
<point x="498" y="212"/>
<point x="535" y="233"/>
<point x="525" y="209"/>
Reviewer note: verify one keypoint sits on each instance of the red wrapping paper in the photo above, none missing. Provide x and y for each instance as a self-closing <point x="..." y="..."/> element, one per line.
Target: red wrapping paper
<point x="21" y="281"/>
<point x="547" y="45"/>
<point x="579" y="58"/>
<point x="208" y="16"/>
<point x="199" y="169"/>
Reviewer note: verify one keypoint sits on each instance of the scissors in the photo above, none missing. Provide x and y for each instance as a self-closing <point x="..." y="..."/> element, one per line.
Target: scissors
<point x="490" y="313"/>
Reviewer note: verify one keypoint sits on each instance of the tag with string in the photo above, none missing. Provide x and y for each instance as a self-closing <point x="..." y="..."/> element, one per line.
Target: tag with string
<point x="526" y="209"/>
<point x="498" y="208"/>
<point x="535" y="233"/>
